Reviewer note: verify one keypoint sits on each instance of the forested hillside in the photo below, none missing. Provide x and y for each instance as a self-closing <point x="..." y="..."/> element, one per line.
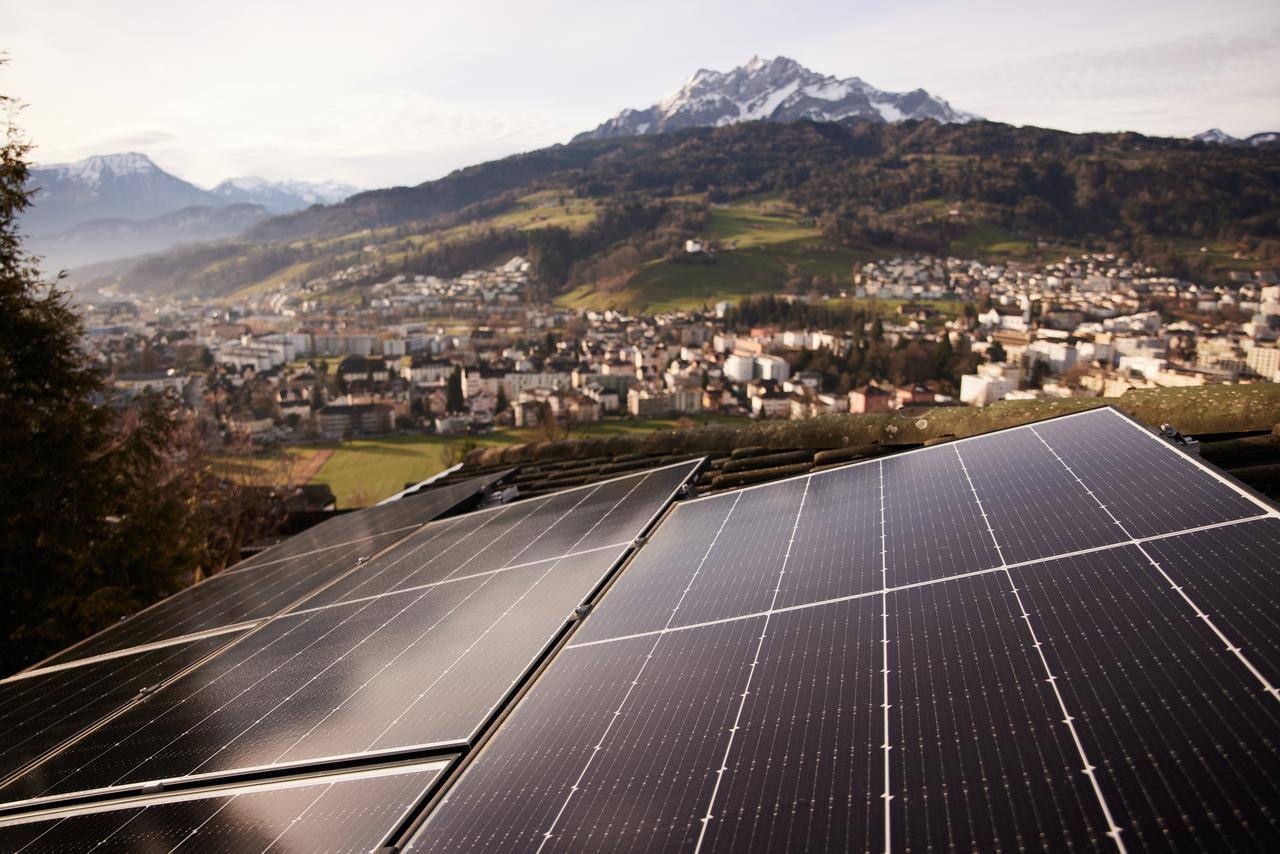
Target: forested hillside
<point x="604" y="212"/>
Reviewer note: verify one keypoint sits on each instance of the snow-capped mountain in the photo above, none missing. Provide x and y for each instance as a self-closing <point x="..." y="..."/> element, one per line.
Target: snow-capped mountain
<point x="113" y="205"/>
<point x="109" y="186"/>
<point x="1223" y="138"/>
<point x="283" y="196"/>
<point x="780" y="90"/>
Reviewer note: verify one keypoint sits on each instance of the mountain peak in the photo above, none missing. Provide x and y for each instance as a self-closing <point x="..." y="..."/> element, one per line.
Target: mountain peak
<point x="93" y="169"/>
<point x="282" y="196"/>
<point x="778" y="89"/>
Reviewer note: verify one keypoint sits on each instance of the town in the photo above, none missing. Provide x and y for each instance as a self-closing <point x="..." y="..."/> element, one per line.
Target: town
<point x="469" y="355"/>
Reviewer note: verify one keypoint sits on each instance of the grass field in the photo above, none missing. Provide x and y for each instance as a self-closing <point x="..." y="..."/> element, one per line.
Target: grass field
<point x="764" y="242"/>
<point x="364" y="471"/>
<point x="546" y="209"/>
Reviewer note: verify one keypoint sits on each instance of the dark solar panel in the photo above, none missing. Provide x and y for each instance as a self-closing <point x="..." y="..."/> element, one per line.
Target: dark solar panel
<point x="40" y="711"/>
<point x="417" y="667"/>
<point x="604" y="516"/>
<point x="963" y="647"/>
<point x="280" y="575"/>
<point x="330" y="814"/>
<point x="228" y="599"/>
<point x="400" y="515"/>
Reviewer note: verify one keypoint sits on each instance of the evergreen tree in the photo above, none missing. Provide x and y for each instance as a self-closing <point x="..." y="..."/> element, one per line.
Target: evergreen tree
<point x="455" y="400"/>
<point x="100" y="507"/>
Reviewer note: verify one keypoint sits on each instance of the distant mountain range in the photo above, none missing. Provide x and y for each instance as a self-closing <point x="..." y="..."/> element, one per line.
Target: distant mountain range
<point x="778" y="90"/>
<point x="116" y="205"/>
<point x="1224" y="138"/>
<point x="109" y="239"/>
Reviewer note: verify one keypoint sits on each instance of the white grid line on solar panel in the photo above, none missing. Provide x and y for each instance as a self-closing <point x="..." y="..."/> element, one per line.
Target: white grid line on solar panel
<point x="887" y="793"/>
<point x="325" y="782"/>
<point x="898" y="587"/>
<point x="133" y="650"/>
<point x="453" y="579"/>
<point x="1233" y="648"/>
<point x="242" y="568"/>
<point x="635" y="681"/>
<point x="1185" y="740"/>
<point x="751" y="669"/>
<point x="638" y="478"/>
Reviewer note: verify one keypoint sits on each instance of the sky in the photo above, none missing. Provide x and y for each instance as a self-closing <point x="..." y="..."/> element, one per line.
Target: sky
<point x="386" y="92"/>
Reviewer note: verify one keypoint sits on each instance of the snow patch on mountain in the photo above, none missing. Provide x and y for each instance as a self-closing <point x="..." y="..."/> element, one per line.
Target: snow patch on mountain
<point x="779" y="90"/>
<point x="1220" y="137"/>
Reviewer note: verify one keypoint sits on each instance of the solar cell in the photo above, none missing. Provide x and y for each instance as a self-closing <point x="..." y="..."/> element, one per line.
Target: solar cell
<point x="355" y="812"/>
<point x="1230" y="573"/>
<point x="1150" y="488"/>
<point x="411" y="668"/>
<point x="933" y="527"/>
<point x="40" y="711"/>
<point x="1182" y="734"/>
<point x="980" y="758"/>
<point x="1033" y="504"/>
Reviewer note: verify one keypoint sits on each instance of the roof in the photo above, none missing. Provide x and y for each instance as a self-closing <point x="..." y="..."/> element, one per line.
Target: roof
<point x="1236" y="425"/>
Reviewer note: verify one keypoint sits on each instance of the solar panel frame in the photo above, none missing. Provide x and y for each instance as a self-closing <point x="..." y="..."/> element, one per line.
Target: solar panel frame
<point x="390" y="793"/>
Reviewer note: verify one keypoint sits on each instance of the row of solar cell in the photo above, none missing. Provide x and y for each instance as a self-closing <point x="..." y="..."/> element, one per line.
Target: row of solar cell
<point x="716" y="738"/>
<point x="402" y="670"/>
<point x="278" y="577"/>
<point x="718" y="557"/>
<point x="334" y="814"/>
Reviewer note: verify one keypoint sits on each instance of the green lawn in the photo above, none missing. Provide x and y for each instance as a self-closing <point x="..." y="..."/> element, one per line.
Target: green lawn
<point x="544" y="209"/>
<point x="364" y="471"/>
<point x="730" y="275"/>
<point x="758" y="223"/>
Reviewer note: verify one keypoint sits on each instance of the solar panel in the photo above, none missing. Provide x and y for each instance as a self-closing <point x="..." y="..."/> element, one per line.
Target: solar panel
<point x="402" y="514"/>
<point x="40" y="711"/>
<point x="280" y="575"/>
<point x="421" y="667"/>
<point x="347" y="813"/>
<point x="1024" y="640"/>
